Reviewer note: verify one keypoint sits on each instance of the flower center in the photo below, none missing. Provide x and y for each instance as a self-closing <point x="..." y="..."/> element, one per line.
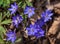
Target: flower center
<point x="32" y="30"/>
<point x="14" y="8"/>
<point x="46" y="15"/>
<point x="30" y="10"/>
<point x="16" y="21"/>
<point x="18" y="18"/>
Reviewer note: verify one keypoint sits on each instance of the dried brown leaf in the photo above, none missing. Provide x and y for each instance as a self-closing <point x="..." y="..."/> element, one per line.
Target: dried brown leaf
<point x="52" y="40"/>
<point x="57" y="5"/>
<point x="54" y="28"/>
<point x="58" y="36"/>
<point x="25" y="34"/>
<point x="57" y="10"/>
<point x="50" y="7"/>
<point x="30" y="0"/>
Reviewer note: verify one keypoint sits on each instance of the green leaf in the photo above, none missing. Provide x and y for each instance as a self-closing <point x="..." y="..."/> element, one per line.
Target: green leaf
<point x="1" y="41"/>
<point x="6" y="21"/>
<point x="24" y="5"/>
<point x="19" y="3"/>
<point x="18" y="40"/>
<point x="13" y="0"/>
<point x="1" y="2"/>
<point x="2" y="30"/>
<point x="28" y="3"/>
<point x="7" y="14"/>
<point x="0" y="17"/>
<point x="1" y="38"/>
<point x="6" y="3"/>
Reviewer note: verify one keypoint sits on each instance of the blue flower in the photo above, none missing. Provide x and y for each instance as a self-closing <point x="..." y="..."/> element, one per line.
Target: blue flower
<point x="47" y="15"/>
<point x="39" y="23"/>
<point x="40" y="33"/>
<point x="16" y="20"/>
<point x="11" y="36"/>
<point x="32" y="30"/>
<point x="29" y="10"/>
<point x="13" y="8"/>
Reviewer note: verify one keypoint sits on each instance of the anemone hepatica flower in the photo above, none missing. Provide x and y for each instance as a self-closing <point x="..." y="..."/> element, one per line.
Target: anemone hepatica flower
<point x="11" y="36"/>
<point x="13" y="8"/>
<point x="31" y="30"/>
<point x="39" y="23"/>
<point x="47" y="15"/>
<point x="37" y="32"/>
<point x="29" y="10"/>
<point x="40" y="33"/>
<point x="16" y="20"/>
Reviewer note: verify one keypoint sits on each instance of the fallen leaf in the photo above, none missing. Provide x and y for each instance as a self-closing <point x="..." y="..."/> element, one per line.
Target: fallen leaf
<point x="54" y="28"/>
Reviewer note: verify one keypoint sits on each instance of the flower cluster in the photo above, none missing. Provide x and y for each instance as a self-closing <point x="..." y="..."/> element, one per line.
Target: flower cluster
<point x="36" y="29"/>
<point x="33" y="30"/>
